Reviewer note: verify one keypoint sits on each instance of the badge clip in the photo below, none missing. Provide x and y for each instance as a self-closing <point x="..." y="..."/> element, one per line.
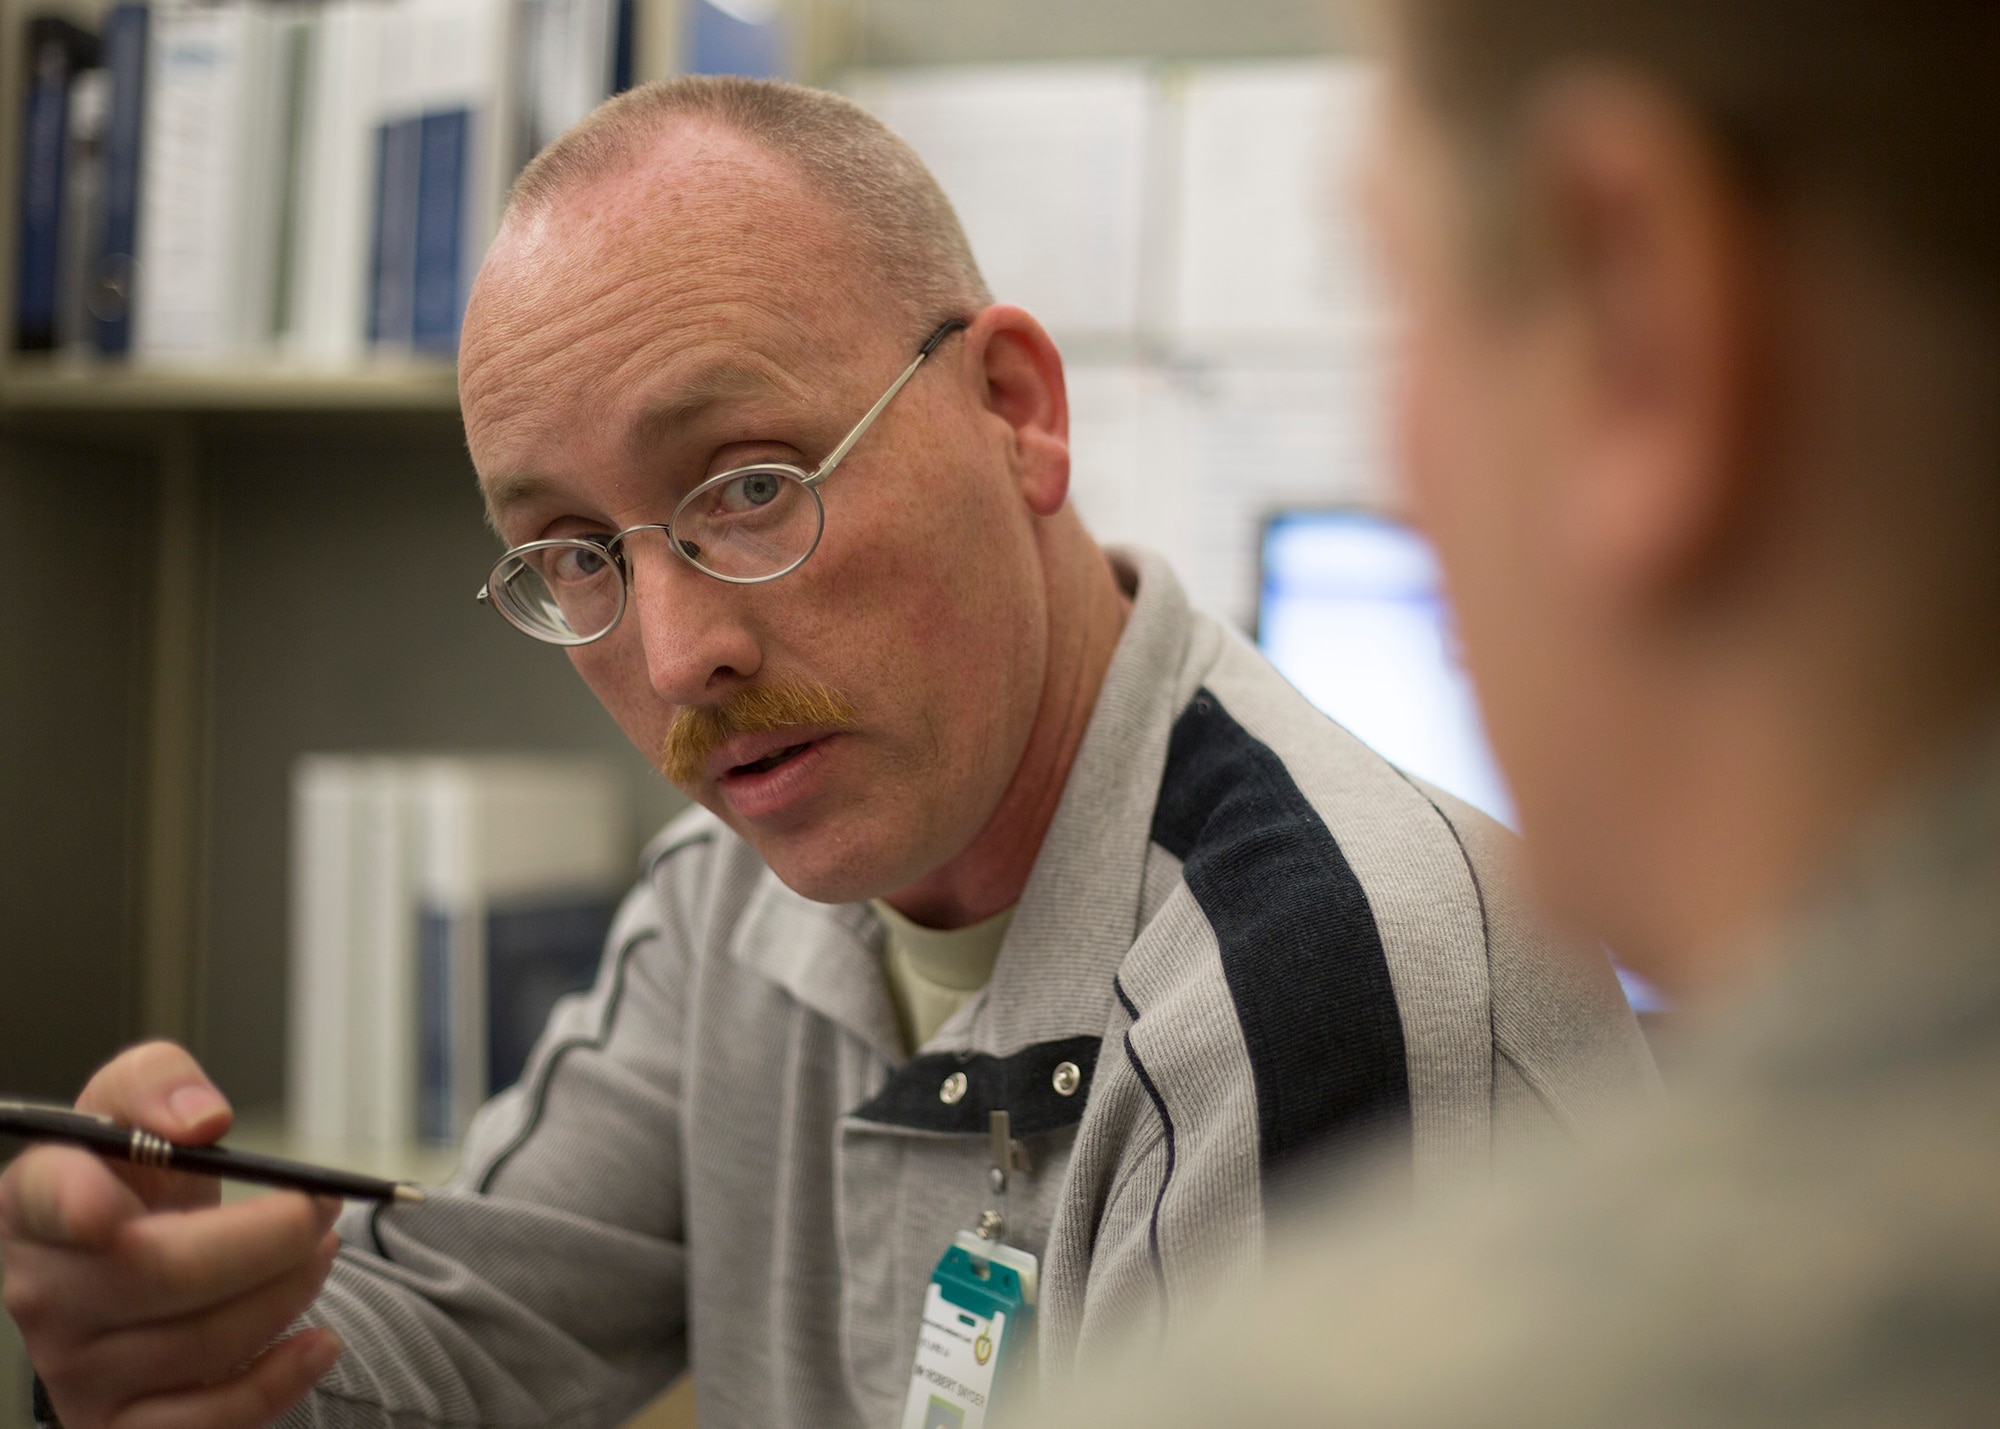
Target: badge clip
<point x="1004" y="1156"/>
<point x="977" y="1336"/>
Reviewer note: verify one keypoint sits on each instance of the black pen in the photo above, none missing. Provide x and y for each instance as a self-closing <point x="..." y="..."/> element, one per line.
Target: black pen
<point x="128" y="1143"/>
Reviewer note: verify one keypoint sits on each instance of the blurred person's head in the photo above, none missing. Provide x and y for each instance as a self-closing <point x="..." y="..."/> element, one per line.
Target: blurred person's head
<point x="1700" y="400"/>
<point x="712" y="273"/>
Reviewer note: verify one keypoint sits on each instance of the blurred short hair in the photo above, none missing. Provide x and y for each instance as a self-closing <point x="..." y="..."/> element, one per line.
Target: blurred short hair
<point x="1885" y="112"/>
<point x="848" y="157"/>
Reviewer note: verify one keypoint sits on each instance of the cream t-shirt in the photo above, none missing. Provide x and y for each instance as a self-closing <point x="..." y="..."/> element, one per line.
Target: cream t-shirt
<point x="935" y="971"/>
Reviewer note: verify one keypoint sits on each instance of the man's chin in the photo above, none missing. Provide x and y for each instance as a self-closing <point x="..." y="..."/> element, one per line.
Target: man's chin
<point x="824" y="875"/>
<point x="828" y="860"/>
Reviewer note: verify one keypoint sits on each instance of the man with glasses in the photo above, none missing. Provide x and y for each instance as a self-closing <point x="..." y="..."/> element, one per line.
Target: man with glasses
<point x="1022" y="898"/>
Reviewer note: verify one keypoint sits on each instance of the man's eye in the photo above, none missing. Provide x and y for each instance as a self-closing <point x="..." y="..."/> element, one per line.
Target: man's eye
<point x="579" y="563"/>
<point x="750" y="491"/>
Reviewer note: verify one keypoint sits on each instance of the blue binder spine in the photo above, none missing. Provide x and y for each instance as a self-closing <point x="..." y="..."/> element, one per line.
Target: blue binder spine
<point x="436" y="1100"/>
<point x="621" y="47"/>
<point x="391" y="297"/>
<point x="113" y="271"/>
<point x="438" y="303"/>
<point x="56" y="50"/>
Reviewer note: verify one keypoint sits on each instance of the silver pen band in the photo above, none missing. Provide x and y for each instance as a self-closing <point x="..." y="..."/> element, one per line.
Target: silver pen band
<point x="150" y="1150"/>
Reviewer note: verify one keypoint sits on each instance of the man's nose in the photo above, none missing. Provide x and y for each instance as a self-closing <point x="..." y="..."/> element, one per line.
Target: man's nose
<point x="692" y="628"/>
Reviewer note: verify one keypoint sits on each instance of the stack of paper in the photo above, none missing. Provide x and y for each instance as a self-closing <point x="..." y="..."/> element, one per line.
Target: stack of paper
<point x="1048" y="168"/>
<point x="1271" y="256"/>
<point x="209" y="212"/>
<point x="571" y="58"/>
<point x="1192" y="237"/>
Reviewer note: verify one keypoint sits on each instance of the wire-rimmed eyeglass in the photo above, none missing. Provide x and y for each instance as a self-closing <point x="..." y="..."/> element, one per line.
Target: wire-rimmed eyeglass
<point x="747" y="525"/>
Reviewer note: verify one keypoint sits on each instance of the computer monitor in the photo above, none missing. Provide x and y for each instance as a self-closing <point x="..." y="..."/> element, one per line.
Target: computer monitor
<point x="1351" y="612"/>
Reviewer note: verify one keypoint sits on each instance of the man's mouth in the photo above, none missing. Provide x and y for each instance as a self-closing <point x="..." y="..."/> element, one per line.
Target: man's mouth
<point x="772" y="761"/>
<point x="780" y="769"/>
<point x="756" y="758"/>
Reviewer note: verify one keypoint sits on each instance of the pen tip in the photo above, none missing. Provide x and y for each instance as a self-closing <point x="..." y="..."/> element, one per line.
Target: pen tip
<point x="407" y="1195"/>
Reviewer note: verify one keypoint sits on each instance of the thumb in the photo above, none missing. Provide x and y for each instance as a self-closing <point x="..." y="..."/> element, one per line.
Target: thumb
<point x="158" y="1086"/>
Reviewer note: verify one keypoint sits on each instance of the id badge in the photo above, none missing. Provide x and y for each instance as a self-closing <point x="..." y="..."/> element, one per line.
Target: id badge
<point x="977" y="1338"/>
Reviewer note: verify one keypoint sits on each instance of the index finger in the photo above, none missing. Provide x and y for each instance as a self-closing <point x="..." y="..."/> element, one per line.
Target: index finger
<point x="188" y="1260"/>
<point x="60" y="1196"/>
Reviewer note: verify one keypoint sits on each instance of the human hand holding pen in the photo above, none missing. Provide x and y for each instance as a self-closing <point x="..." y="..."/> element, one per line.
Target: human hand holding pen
<point x="144" y="1302"/>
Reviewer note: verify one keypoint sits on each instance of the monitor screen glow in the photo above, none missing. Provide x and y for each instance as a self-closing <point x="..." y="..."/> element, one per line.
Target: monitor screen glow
<point x="1352" y="614"/>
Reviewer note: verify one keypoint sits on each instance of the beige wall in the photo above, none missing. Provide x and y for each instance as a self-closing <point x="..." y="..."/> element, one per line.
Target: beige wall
<point x="890" y="32"/>
<point x="73" y="579"/>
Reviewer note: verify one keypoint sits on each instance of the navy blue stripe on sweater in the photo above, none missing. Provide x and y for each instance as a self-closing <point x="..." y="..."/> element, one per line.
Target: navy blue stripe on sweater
<point x="1300" y="949"/>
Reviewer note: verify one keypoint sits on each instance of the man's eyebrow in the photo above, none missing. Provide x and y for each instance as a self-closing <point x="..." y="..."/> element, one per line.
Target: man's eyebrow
<point x="694" y="398"/>
<point x="704" y="390"/>
<point x="505" y="493"/>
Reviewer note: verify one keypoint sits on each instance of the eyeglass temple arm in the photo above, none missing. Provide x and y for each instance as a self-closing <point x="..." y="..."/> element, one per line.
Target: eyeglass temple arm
<point x="833" y="458"/>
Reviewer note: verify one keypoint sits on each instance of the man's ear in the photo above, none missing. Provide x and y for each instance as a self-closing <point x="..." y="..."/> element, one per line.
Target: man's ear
<point x="1655" y="263"/>
<point x="1020" y="375"/>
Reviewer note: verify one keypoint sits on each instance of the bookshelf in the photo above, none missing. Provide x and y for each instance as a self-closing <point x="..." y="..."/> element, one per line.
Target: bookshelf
<point x="151" y="718"/>
<point x="48" y="389"/>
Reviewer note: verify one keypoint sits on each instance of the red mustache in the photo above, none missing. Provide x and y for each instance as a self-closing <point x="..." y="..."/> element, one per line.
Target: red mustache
<point x="757" y="709"/>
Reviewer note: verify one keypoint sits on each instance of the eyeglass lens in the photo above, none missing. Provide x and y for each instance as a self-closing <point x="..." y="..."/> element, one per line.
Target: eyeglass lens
<point x="753" y="524"/>
<point x="564" y="590"/>
<point x="749" y="525"/>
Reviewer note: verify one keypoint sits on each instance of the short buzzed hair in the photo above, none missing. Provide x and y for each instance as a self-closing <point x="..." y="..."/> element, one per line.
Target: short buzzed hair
<point x="1885" y="111"/>
<point x="903" y="222"/>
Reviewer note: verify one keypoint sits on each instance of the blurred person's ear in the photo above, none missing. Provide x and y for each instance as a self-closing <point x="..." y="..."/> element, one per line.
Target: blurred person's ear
<point x="1654" y="267"/>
